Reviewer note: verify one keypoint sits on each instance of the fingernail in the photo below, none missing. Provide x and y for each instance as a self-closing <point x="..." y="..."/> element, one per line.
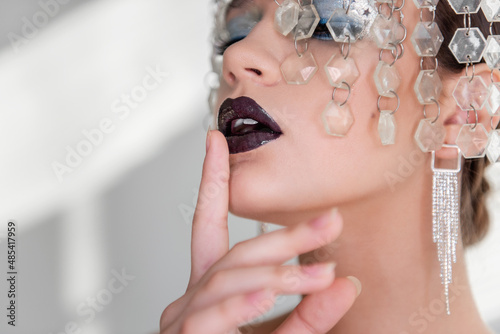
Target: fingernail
<point x="209" y="135"/>
<point x="319" y="269"/>
<point x="357" y="283"/>
<point x="325" y="219"/>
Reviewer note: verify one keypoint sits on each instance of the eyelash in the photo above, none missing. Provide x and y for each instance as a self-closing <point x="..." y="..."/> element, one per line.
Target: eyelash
<point x="320" y="33"/>
<point x="221" y="48"/>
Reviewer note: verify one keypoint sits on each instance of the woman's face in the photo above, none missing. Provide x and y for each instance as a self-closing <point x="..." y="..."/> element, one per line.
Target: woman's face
<point x="306" y="170"/>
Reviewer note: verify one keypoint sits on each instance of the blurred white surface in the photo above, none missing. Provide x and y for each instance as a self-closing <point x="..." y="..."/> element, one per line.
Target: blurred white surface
<point x="120" y="209"/>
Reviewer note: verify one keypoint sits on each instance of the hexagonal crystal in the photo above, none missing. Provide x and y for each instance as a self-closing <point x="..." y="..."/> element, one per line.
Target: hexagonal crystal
<point x="386" y="78"/>
<point x="470" y="93"/>
<point x="286" y="16"/>
<point x="493" y="148"/>
<point x="472" y="140"/>
<point x="492" y="52"/>
<point x="385" y="31"/>
<point x="467" y="45"/>
<point x="308" y="21"/>
<point x="465" y="6"/>
<point x="337" y="119"/>
<point x="425" y="3"/>
<point x="299" y="70"/>
<point x="427" y="39"/>
<point x="491" y="10"/>
<point x="493" y="100"/>
<point x="339" y="70"/>
<point x="430" y="137"/>
<point x="341" y="25"/>
<point x="428" y="86"/>
<point x="387" y="127"/>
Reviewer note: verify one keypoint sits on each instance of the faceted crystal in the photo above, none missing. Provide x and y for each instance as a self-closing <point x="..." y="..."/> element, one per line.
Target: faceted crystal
<point x="430" y="137"/>
<point x="468" y="47"/>
<point x="387" y="127"/>
<point x="493" y="100"/>
<point x="465" y="6"/>
<point x="341" y="25"/>
<point x="336" y="119"/>
<point x="428" y="87"/>
<point x="286" y="16"/>
<point x="299" y="70"/>
<point x="385" y="31"/>
<point x="491" y="10"/>
<point x="492" y="52"/>
<point x="493" y="148"/>
<point x="427" y="39"/>
<point x="339" y="70"/>
<point x="425" y="3"/>
<point x="471" y="94"/>
<point x="386" y="78"/>
<point x="308" y="21"/>
<point x="472" y="141"/>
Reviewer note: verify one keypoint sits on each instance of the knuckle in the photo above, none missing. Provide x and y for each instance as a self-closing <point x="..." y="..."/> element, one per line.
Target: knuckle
<point x="239" y="247"/>
<point x="167" y="316"/>
<point x="188" y="326"/>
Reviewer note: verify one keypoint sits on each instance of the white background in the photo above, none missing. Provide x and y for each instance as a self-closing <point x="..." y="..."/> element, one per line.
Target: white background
<point x="122" y="207"/>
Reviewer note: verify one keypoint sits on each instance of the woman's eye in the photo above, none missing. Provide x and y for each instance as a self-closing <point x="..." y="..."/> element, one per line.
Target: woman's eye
<point x="239" y="26"/>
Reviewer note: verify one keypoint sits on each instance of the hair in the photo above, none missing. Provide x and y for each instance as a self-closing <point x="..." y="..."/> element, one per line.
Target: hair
<point x="474" y="215"/>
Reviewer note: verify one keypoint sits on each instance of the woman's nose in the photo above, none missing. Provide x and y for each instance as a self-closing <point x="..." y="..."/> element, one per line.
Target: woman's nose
<point x="256" y="58"/>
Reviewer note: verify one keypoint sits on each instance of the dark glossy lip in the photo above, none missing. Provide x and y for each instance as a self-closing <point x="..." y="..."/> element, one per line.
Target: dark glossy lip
<point x="240" y="108"/>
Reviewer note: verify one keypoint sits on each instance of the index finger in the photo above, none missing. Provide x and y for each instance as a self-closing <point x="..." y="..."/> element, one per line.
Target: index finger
<point x="209" y="238"/>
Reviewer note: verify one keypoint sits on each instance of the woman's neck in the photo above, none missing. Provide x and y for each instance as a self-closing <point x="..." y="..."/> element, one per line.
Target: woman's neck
<point x="387" y="243"/>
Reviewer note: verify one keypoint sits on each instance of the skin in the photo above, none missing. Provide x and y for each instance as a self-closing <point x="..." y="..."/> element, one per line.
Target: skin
<point x="383" y="196"/>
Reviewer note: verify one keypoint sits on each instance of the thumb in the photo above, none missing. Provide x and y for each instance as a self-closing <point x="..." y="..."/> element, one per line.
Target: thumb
<point x="321" y="311"/>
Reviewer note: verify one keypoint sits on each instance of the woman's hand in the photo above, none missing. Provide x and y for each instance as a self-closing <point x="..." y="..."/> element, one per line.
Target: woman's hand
<point x="230" y="287"/>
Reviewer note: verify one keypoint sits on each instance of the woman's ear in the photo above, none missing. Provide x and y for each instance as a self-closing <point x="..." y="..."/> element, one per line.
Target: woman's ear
<point x="453" y="117"/>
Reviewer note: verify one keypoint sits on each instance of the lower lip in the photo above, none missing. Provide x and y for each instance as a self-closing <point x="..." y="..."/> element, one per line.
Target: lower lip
<point x="249" y="141"/>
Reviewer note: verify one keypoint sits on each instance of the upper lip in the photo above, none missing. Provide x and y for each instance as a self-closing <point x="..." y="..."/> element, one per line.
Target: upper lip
<point x="243" y="107"/>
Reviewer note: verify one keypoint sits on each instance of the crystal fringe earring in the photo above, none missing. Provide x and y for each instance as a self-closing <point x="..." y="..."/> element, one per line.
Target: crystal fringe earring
<point x="446" y="218"/>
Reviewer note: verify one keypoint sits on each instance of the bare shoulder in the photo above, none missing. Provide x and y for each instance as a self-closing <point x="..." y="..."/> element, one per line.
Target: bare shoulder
<point x="265" y="327"/>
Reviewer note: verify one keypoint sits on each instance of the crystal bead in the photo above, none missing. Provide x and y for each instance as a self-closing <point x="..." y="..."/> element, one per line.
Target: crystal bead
<point x="286" y="17"/>
<point x="386" y="78"/>
<point x="428" y="86"/>
<point x="337" y="119"/>
<point x="339" y="69"/>
<point x="471" y="94"/>
<point x="467" y="45"/>
<point x="427" y="39"/>
<point x="387" y="127"/>
<point x="425" y="3"/>
<point x="385" y="31"/>
<point x="492" y="52"/>
<point x="299" y="70"/>
<point x="430" y="137"/>
<point x="472" y="141"/>
<point x="308" y="21"/>
<point x="341" y="25"/>
<point x="493" y="100"/>
<point x="491" y="10"/>
<point x="493" y="148"/>
<point x="465" y="6"/>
